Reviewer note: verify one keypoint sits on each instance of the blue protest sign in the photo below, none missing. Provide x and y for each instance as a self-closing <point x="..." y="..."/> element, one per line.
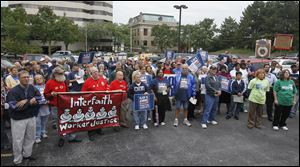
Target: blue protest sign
<point x="225" y="84"/>
<point x="171" y="79"/>
<point x="195" y="63"/>
<point x="169" y="55"/>
<point x="143" y="102"/>
<point x="86" y="57"/>
<point x="204" y="55"/>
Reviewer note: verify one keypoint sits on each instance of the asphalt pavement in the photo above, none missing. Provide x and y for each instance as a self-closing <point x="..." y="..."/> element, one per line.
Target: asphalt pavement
<point x="228" y="143"/>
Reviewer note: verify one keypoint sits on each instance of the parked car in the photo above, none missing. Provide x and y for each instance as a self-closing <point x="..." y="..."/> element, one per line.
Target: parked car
<point x="6" y="63"/>
<point x="62" y="52"/>
<point x="33" y="57"/>
<point x="13" y="57"/>
<point x="285" y="63"/>
<point x="61" y="57"/>
<point x="294" y="56"/>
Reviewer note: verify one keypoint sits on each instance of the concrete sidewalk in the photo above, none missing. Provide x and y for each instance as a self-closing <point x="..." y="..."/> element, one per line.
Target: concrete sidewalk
<point x="228" y="143"/>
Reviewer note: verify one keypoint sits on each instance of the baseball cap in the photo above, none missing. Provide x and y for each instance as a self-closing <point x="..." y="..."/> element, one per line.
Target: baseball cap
<point x="42" y="59"/>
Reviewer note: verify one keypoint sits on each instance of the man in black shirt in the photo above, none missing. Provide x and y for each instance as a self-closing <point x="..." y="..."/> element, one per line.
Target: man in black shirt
<point x="23" y="102"/>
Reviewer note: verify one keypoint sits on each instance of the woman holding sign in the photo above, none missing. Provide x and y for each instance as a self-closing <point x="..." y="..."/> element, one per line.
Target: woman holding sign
<point x="225" y="94"/>
<point x="160" y="87"/>
<point x="138" y="87"/>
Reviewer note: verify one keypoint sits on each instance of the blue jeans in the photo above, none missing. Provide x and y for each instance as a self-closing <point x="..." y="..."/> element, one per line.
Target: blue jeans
<point x="140" y="117"/>
<point x="183" y="105"/>
<point x="41" y="125"/>
<point x="211" y="103"/>
<point x="295" y="107"/>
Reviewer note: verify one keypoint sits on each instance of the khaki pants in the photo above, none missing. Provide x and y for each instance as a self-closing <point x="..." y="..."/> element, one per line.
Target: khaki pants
<point x="125" y="106"/>
<point x="23" y="137"/>
<point x="255" y="114"/>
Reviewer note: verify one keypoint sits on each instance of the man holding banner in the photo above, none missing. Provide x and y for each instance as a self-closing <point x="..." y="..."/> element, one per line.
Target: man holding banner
<point x="120" y="84"/>
<point x="95" y="83"/>
<point x="53" y="86"/>
<point x="185" y="89"/>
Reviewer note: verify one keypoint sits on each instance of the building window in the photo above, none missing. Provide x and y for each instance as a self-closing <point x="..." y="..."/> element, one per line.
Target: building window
<point x="145" y="31"/>
<point x="152" y="43"/>
<point x="138" y="32"/>
<point x="138" y="43"/>
<point x="145" y="43"/>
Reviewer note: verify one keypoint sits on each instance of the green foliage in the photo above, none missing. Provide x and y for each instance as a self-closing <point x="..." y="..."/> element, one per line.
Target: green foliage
<point x="164" y="37"/>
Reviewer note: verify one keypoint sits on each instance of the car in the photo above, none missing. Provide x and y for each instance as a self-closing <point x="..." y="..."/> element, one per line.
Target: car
<point x="6" y="63"/>
<point x="62" y="52"/>
<point x="285" y="63"/>
<point x="33" y="57"/>
<point x="13" y="57"/>
<point x="294" y="56"/>
<point x="58" y="57"/>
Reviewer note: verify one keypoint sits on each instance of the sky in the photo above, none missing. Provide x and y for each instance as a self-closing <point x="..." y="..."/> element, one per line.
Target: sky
<point x="197" y="10"/>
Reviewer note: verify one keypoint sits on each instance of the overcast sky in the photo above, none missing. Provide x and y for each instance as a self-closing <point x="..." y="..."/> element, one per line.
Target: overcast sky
<point x="197" y="10"/>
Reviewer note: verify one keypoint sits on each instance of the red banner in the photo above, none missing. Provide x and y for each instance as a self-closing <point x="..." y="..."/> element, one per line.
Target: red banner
<point x="82" y="111"/>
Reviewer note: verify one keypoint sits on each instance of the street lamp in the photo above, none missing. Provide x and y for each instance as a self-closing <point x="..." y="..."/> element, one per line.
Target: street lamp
<point x="179" y="7"/>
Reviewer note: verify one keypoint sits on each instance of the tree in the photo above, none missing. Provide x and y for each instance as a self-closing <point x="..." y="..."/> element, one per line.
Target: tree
<point x="164" y="37"/>
<point x="67" y="31"/>
<point x="202" y="36"/>
<point x="44" y="26"/>
<point x="15" y="32"/>
<point x="228" y="33"/>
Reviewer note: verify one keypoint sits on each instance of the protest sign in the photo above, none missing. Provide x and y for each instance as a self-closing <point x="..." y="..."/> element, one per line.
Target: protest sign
<point x="195" y="63"/>
<point x="169" y="55"/>
<point x="171" y="79"/>
<point x="143" y="102"/>
<point x="225" y="84"/>
<point x="86" y="57"/>
<point x="82" y="111"/>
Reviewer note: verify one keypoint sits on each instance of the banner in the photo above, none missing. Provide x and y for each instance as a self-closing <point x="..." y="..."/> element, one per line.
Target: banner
<point x="86" y="57"/>
<point x="169" y="55"/>
<point x="82" y="111"/>
<point x="283" y="41"/>
<point x="171" y="79"/>
<point x="195" y="63"/>
<point x="143" y="102"/>
<point x="225" y="84"/>
<point x="263" y="48"/>
<point x="204" y="55"/>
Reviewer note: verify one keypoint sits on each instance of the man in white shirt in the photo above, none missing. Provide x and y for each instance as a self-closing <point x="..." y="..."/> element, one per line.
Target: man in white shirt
<point x="270" y="97"/>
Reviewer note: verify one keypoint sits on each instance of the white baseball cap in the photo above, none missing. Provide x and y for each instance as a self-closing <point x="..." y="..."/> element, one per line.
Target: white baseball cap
<point x="42" y="59"/>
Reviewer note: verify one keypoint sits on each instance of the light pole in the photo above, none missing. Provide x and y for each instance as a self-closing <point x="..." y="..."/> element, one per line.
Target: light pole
<point x="179" y="7"/>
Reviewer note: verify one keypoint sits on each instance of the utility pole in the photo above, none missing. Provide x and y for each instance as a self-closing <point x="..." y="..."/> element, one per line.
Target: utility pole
<point x="179" y="28"/>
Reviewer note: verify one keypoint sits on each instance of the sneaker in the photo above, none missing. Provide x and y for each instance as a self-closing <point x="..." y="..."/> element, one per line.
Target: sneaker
<point x="187" y="123"/>
<point x="44" y="135"/>
<point x="228" y="117"/>
<point x="176" y="122"/>
<point x="30" y="158"/>
<point x="155" y="124"/>
<point x="275" y="128"/>
<point x="145" y="126"/>
<point x="149" y="118"/>
<point x="204" y="126"/>
<point x="285" y="128"/>
<point x="37" y="141"/>
<point x="136" y="127"/>
<point x="208" y="122"/>
<point x="245" y="111"/>
<point x="163" y="124"/>
<point x="214" y="122"/>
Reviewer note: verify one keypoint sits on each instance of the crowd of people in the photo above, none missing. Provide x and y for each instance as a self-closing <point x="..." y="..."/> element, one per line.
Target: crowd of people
<point x="29" y="94"/>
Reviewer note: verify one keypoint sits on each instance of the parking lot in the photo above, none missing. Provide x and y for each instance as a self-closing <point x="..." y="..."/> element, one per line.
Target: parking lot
<point x="229" y="143"/>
